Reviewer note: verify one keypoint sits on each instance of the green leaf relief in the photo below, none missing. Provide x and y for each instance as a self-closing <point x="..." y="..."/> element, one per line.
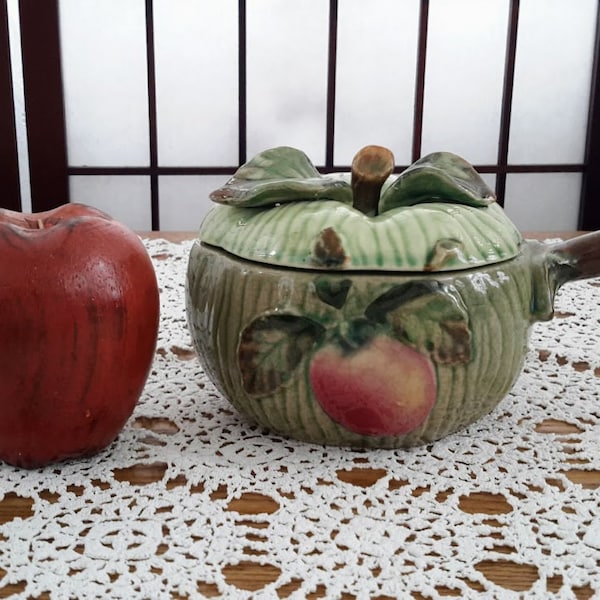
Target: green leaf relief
<point x="285" y="174"/>
<point x="280" y="175"/>
<point x="437" y="177"/>
<point x="429" y="316"/>
<point x="270" y="349"/>
<point x="333" y="291"/>
<point x="282" y="162"/>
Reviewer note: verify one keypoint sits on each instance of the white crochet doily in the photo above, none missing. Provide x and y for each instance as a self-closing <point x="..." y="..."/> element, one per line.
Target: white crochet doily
<point x="412" y="529"/>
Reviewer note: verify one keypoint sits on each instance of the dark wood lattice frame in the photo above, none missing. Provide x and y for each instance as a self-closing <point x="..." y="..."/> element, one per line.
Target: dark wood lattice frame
<point x="44" y="105"/>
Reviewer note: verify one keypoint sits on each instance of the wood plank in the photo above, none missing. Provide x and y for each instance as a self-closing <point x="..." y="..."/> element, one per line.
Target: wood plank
<point x="10" y="196"/>
<point x="44" y="105"/>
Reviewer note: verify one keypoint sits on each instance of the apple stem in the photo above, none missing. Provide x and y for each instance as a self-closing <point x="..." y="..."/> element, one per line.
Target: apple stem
<point x="370" y="168"/>
<point x="40" y="224"/>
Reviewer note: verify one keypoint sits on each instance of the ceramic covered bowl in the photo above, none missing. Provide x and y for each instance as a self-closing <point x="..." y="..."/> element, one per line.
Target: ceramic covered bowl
<point x="368" y="309"/>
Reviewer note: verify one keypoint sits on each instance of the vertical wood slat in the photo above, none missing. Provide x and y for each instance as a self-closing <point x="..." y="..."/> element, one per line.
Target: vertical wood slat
<point x="589" y="208"/>
<point x="10" y="195"/>
<point x="507" y="96"/>
<point x="242" y="112"/>
<point x="44" y="106"/>
<point x="420" y="80"/>
<point x="331" y="85"/>
<point x="152" y="123"/>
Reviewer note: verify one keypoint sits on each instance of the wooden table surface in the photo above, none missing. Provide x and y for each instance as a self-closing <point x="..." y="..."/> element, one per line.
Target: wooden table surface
<point x="506" y="574"/>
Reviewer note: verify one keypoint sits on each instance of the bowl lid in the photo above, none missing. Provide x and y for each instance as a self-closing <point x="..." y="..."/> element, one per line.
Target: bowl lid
<point x="437" y="215"/>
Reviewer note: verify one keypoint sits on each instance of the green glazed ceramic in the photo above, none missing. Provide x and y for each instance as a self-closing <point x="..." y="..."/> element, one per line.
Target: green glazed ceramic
<point x="368" y="309"/>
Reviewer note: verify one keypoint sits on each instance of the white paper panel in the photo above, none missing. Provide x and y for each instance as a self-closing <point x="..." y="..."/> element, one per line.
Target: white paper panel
<point x="196" y="53"/>
<point x="375" y="90"/>
<point x="16" y="66"/>
<point x="287" y="75"/>
<point x="124" y="197"/>
<point x="543" y="201"/>
<point x="184" y="200"/>
<point x="552" y="81"/>
<point x="463" y="78"/>
<point x="104" y="73"/>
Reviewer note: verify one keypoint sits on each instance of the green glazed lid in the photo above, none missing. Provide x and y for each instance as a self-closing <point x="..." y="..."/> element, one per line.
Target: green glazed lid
<point x="437" y="215"/>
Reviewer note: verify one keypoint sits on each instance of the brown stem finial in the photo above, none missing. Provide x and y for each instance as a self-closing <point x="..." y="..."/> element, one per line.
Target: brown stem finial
<point x="370" y="168"/>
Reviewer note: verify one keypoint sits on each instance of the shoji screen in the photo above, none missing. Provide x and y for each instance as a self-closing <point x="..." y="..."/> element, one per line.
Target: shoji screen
<point x="165" y="98"/>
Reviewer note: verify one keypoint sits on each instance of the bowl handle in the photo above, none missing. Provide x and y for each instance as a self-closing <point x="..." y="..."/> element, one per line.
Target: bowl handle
<point x="577" y="258"/>
<point x="556" y="264"/>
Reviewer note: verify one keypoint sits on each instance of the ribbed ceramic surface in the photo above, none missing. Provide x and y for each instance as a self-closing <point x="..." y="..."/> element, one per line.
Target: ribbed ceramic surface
<point x="224" y="295"/>
<point x="403" y="239"/>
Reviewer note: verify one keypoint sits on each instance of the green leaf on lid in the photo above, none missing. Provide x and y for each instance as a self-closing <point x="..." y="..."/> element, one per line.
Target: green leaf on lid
<point x="280" y="175"/>
<point x="437" y="177"/>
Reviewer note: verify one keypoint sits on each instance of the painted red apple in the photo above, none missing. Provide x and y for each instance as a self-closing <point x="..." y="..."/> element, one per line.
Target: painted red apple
<point x="79" y="309"/>
<point x="383" y="388"/>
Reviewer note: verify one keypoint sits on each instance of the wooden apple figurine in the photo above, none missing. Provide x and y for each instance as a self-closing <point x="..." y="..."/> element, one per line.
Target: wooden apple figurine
<point x="79" y="311"/>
